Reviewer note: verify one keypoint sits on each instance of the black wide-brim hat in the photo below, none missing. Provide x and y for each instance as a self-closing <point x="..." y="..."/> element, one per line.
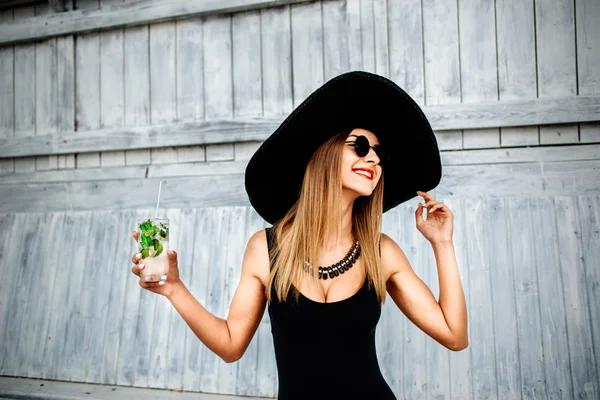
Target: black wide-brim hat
<point x="352" y="100"/>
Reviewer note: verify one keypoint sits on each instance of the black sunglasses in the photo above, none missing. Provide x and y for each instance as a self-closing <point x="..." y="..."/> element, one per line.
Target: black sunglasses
<point x="362" y="146"/>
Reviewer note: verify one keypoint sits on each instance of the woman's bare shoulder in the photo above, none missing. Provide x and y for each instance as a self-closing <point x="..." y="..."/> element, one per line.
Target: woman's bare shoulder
<point x="256" y="257"/>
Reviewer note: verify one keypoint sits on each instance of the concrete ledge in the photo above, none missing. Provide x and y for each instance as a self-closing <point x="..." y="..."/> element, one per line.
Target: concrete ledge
<point x="38" y="389"/>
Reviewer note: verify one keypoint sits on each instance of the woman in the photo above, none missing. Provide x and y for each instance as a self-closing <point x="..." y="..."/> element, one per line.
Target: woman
<point x="324" y="267"/>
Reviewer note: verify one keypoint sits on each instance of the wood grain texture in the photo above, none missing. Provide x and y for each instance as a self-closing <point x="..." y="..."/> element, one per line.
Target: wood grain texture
<point x="11" y="244"/>
<point x="335" y="39"/>
<point x="553" y="310"/>
<point x="556" y="61"/>
<point x="7" y="166"/>
<point x="126" y="14"/>
<point x="587" y="12"/>
<point x="220" y="130"/>
<point x="517" y="76"/>
<point x="65" y="81"/>
<point x="579" y="331"/>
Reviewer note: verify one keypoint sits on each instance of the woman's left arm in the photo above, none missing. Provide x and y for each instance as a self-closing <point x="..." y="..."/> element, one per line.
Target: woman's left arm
<point x="446" y="320"/>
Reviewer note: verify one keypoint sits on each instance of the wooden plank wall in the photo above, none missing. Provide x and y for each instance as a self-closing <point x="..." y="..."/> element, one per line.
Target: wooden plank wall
<point x="526" y="199"/>
<point x="81" y="316"/>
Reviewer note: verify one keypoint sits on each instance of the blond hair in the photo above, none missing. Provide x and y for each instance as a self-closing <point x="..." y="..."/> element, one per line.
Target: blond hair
<point x="316" y="216"/>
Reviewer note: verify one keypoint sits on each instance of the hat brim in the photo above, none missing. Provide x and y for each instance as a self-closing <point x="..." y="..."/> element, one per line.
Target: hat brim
<point x="356" y="99"/>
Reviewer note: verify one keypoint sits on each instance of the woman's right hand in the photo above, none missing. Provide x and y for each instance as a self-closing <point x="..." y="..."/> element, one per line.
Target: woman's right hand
<point x="166" y="288"/>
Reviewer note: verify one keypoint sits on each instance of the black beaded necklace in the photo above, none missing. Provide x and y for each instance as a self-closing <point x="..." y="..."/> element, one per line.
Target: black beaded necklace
<point x="339" y="267"/>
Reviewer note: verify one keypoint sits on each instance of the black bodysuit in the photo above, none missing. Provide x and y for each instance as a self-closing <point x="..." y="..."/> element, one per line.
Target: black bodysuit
<point x="327" y="350"/>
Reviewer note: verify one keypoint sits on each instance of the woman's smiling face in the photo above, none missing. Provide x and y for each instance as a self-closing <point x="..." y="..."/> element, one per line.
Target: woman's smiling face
<point x="360" y="174"/>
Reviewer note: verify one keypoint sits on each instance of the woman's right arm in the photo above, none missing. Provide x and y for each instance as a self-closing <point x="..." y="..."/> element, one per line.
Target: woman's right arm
<point x="228" y="338"/>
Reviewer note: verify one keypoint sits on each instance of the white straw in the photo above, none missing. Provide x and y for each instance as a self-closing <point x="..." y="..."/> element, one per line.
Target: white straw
<point x="158" y="199"/>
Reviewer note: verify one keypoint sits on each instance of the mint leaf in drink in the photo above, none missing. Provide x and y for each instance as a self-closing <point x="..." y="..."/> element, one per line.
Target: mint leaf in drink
<point x="159" y="249"/>
<point x="145" y="252"/>
<point x="146" y="225"/>
<point x="146" y="241"/>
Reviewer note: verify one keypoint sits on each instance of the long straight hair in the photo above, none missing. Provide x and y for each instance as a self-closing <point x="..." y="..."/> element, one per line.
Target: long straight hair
<point x="316" y="216"/>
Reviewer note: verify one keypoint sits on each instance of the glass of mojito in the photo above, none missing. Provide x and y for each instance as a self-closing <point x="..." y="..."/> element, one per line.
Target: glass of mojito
<point x="153" y="243"/>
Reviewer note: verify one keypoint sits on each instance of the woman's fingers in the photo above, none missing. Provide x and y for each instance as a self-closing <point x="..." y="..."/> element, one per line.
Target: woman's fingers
<point x="135" y="235"/>
<point x="137" y="269"/>
<point x="136" y="258"/>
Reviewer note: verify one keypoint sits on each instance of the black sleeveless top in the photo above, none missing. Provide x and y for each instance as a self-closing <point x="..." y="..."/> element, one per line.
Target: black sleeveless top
<point x="327" y="350"/>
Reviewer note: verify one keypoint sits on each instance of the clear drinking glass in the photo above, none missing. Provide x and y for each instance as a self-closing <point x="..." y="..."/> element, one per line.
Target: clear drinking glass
<point x="153" y="243"/>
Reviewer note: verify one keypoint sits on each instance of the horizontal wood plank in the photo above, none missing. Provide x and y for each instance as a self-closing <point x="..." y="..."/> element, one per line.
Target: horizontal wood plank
<point x="125" y="14"/>
<point x="442" y="117"/>
<point x="458" y="181"/>
<point x="539" y="154"/>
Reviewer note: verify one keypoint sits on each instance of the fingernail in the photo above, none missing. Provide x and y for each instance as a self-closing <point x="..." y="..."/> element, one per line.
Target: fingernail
<point x="141" y="266"/>
<point x="161" y="283"/>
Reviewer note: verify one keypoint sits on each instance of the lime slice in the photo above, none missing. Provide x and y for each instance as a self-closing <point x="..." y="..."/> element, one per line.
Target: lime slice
<point x="145" y="253"/>
<point x="159" y="249"/>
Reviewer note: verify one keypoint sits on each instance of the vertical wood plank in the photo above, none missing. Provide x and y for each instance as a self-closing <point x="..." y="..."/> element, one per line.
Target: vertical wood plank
<point x="81" y="335"/>
<point x="478" y="71"/>
<point x="460" y="362"/>
<point x="555" y="344"/>
<point x="133" y="347"/>
<point x="247" y="64"/>
<point x="218" y="78"/>
<point x="414" y="385"/>
<point x="390" y="330"/>
<point x="121" y="251"/>
<point x="45" y="90"/>
<point x="69" y="338"/>
<point x="185" y="229"/>
<point x="190" y="64"/>
<point x="380" y="17"/>
<point x="583" y="366"/>
<point x="7" y="123"/>
<point x="196" y="275"/>
<point x="100" y="270"/>
<point x="35" y="314"/>
<point x="9" y="252"/>
<point x="335" y="39"/>
<point x="481" y="303"/>
<point x="307" y="50"/>
<point x="526" y="294"/>
<point x="112" y="96"/>
<point x="55" y="334"/>
<point x="441" y="55"/>
<point x="588" y="211"/>
<point x="556" y="64"/>
<point x="160" y="345"/>
<point x="15" y="358"/>
<point x="354" y="32"/>
<point x="24" y="91"/>
<point x="87" y="89"/>
<point x="516" y="63"/>
<point x="137" y="86"/>
<point x="276" y="61"/>
<point x="406" y="47"/>
<point x="587" y="15"/>
<point x="367" y="28"/>
<point x="65" y="67"/>
<point x="163" y="87"/>
<point x="211" y="363"/>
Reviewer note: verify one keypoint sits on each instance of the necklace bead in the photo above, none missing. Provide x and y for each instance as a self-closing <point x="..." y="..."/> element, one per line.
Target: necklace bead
<point x="338" y="268"/>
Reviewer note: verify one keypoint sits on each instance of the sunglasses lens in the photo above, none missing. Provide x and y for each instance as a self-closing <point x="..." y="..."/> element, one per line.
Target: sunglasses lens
<point x="361" y="146"/>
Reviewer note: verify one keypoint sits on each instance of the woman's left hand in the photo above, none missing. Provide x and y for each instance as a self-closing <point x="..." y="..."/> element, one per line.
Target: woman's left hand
<point x="439" y="224"/>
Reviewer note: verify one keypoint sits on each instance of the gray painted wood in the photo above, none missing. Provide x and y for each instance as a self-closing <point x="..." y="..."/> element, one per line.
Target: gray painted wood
<point x="588" y="57"/>
<point x="526" y="292"/>
<point x="126" y="14"/>
<point x="225" y="130"/>
<point x="7" y="166"/>
<point x="554" y="340"/>
<point x="557" y="64"/>
<point x="335" y="39"/>
<point x="65" y="81"/>
<point x="11" y="242"/>
<point x="579" y="332"/>
<point x="119" y="251"/>
<point x="517" y="78"/>
<point x="588" y="211"/>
